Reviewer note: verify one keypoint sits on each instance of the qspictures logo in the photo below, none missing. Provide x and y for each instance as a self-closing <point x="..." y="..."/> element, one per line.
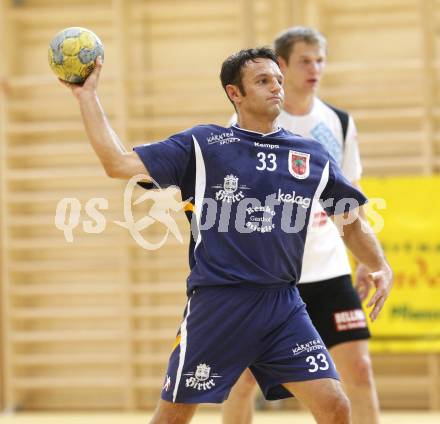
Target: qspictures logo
<point x="279" y="210"/>
<point x="164" y="202"/>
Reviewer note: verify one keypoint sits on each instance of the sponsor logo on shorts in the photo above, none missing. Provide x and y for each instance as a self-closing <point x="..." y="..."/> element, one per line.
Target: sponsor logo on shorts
<point x="202" y="379"/>
<point x="308" y="347"/>
<point x="350" y="320"/>
<point x="167" y="383"/>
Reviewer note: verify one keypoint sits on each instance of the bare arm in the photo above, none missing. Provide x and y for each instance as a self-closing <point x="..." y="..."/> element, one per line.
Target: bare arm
<point x="117" y="162"/>
<point x="362" y="214"/>
<point x="362" y="279"/>
<point x="361" y="241"/>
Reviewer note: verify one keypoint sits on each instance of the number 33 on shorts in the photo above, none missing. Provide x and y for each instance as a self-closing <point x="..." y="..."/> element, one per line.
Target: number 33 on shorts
<point x="317" y="363"/>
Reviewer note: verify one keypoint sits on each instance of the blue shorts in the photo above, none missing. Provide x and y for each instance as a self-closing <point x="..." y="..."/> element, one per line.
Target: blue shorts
<point x="228" y="329"/>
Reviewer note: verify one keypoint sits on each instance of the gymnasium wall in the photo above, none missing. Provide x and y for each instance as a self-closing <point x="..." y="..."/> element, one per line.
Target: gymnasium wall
<point x="89" y="324"/>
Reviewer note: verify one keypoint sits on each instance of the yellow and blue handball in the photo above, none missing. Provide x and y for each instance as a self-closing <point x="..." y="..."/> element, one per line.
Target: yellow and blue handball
<point x="72" y="54"/>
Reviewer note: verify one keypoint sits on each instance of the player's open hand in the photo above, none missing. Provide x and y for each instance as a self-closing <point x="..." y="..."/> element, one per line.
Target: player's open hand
<point x="383" y="281"/>
<point x="90" y="85"/>
<point x="363" y="281"/>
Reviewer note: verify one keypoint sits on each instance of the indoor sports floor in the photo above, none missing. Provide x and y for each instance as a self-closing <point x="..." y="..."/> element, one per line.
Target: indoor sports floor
<point x="204" y="417"/>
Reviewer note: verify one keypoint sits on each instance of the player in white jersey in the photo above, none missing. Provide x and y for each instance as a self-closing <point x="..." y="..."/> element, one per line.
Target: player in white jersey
<point x="325" y="285"/>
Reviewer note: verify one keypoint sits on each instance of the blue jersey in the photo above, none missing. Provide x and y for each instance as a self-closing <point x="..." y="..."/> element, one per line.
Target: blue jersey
<point x="252" y="195"/>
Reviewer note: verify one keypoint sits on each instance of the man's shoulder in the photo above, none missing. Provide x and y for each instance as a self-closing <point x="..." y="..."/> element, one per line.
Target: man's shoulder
<point x="201" y="132"/>
<point x="340" y="114"/>
<point x="329" y="106"/>
<point x="203" y="129"/>
<point x="298" y="143"/>
<point x="209" y="134"/>
<point x="314" y="146"/>
<point x="209" y="127"/>
<point x="307" y="144"/>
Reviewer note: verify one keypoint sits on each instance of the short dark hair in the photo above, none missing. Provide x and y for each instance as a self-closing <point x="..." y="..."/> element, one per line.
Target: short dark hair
<point x="231" y="72"/>
<point x="285" y="42"/>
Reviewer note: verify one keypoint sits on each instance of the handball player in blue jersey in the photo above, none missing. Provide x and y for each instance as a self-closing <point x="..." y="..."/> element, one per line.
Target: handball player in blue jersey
<point x="339" y="319"/>
<point x="253" y="186"/>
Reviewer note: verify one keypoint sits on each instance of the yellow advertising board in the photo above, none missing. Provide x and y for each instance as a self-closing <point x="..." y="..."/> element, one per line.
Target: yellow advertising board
<point x="408" y="209"/>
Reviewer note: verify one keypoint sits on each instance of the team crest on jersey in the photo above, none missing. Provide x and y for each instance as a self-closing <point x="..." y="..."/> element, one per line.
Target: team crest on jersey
<point x="299" y="164"/>
<point x="228" y="192"/>
<point x="202" y="379"/>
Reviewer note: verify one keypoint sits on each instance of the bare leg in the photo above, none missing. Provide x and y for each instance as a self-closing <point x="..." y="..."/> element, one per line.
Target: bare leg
<point x="173" y="413"/>
<point x="353" y="362"/>
<point x="324" y="398"/>
<point x="239" y="407"/>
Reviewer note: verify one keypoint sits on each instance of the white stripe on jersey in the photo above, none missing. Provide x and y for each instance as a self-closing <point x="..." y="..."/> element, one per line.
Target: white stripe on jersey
<point x="182" y="353"/>
<point x="200" y="186"/>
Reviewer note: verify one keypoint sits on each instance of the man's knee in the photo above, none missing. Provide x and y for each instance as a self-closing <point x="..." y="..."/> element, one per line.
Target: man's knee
<point x="361" y="373"/>
<point x="246" y="384"/>
<point x="341" y="411"/>
<point x="354" y="363"/>
<point x="334" y="407"/>
<point x="173" y="413"/>
<point x="335" y="400"/>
